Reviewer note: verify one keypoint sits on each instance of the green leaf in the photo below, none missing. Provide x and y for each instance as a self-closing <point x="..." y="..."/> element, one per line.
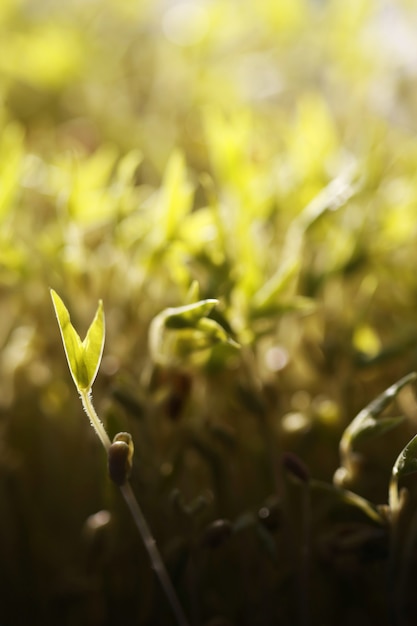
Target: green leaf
<point x="274" y="288"/>
<point x="407" y="460"/>
<point x="335" y="195"/>
<point x="405" y="465"/>
<point x="83" y="357"/>
<point x="127" y="167"/>
<point x="176" y="195"/>
<point x="193" y="292"/>
<point x="371" y="428"/>
<point x="294" y="304"/>
<point x="94" y="343"/>
<point x="185" y="334"/>
<point x="366" y="425"/>
<point x="187" y="316"/>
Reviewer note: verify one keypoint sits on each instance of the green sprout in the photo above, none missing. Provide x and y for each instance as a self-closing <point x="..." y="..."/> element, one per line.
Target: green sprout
<point x="186" y="334"/>
<point x="367" y="425"/>
<point x="84" y="358"/>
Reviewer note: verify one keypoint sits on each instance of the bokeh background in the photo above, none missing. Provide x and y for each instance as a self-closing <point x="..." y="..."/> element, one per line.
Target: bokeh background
<point x="266" y="150"/>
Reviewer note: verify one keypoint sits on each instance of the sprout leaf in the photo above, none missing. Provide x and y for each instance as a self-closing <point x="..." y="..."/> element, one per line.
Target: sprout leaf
<point x="179" y="334"/>
<point x="366" y="424"/>
<point x="83" y="357"/>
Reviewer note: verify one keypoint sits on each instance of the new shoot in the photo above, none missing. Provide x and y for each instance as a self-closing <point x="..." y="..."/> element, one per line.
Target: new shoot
<point x="84" y="358"/>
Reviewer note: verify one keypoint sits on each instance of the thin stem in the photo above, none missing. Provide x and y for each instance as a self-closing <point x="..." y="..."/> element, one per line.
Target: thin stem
<point x="154" y="554"/>
<point x="95" y="421"/>
<point x="138" y="517"/>
<point x="393" y="496"/>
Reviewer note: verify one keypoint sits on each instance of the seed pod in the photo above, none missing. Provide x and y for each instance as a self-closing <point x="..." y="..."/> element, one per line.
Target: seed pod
<point x="120" y="457"/>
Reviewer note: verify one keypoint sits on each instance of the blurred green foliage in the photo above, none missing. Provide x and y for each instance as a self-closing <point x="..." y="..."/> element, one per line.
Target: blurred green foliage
<point x="267" y="151"/>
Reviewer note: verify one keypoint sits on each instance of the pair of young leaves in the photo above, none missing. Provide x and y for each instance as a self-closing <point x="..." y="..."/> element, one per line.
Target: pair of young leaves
<point x="175" y="334"/>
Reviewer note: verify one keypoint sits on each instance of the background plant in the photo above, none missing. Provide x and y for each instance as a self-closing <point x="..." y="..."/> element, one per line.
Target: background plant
<point x="268" y="154"/>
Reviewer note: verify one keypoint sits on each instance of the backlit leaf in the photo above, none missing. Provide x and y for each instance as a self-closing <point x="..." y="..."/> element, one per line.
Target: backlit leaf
<point x="406" y="462"/>
<point x="178" y="335"/>
<point x="93" y="344"/>
<point x="405" y="465"/>
<point x="188" y="315"/>
<point x="83" y="356"/>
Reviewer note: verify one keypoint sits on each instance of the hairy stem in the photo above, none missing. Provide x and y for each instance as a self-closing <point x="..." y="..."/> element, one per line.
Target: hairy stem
<point x="95" y="421"/>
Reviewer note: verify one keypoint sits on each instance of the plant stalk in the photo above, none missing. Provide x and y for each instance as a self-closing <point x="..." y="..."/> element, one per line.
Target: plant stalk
<point x="157" y="563"/>
<point x="155" y="557"/>
<point x="95" y="421"/>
